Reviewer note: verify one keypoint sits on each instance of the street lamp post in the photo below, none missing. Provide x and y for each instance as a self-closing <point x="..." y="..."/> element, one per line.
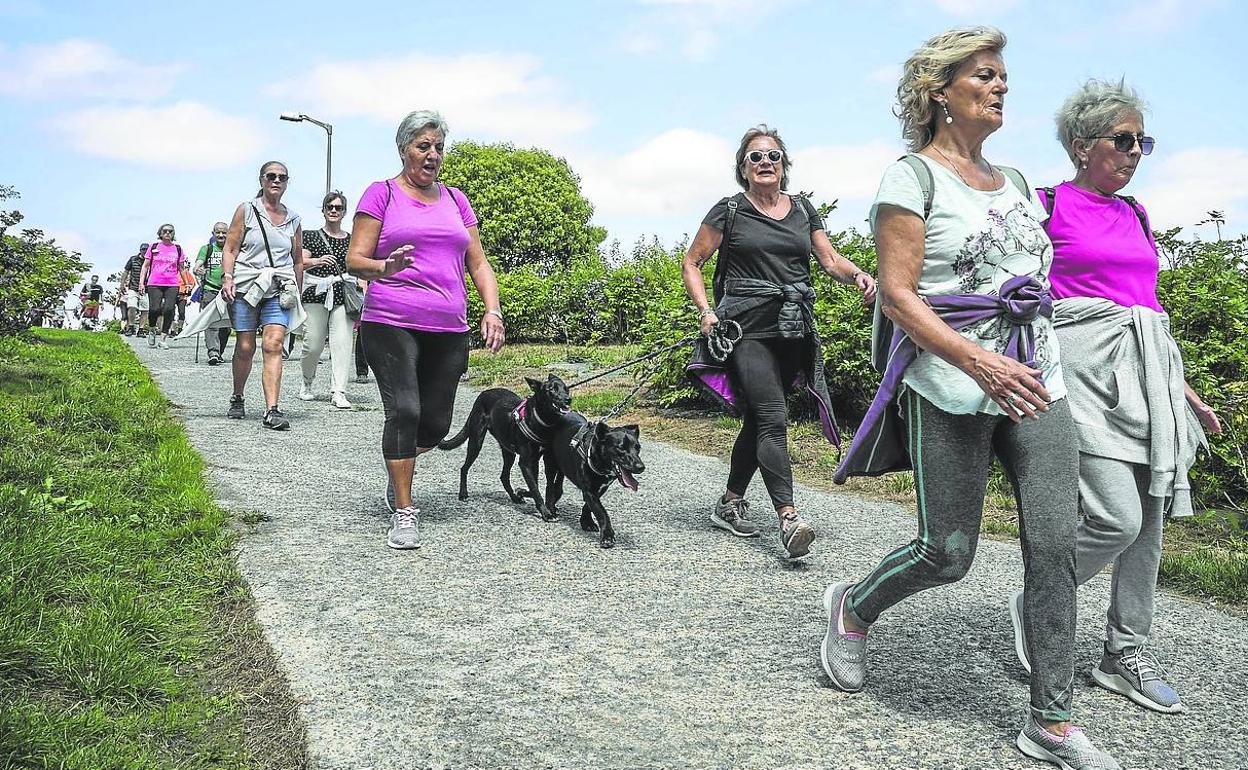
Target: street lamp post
<point x="299" y="117"/>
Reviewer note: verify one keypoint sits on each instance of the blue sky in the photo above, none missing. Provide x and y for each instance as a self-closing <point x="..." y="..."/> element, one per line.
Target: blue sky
<point x="119" y="116"/>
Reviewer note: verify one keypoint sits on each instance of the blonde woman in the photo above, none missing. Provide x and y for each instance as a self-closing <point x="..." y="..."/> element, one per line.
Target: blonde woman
<point x="976" y="372"/>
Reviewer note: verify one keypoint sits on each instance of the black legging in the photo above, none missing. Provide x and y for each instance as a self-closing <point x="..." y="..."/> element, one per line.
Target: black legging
<point x="361" y="361"/>
<point x="761" y="370"/>
<point x="417" y="374"/>
<point x="161" y="303"/>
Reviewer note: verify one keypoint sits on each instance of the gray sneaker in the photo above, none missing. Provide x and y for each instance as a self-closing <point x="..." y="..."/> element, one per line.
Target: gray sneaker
<point x="1135" y="673"/>
<point x="1071" y="752"/>
<point x="151" y="338"/>
<point x="731" y="516"/>
<point x="796" y="535"/>
<point x="404" y="529"/>
<point x="1020" y="632"/>
<point x="844" y="653"/>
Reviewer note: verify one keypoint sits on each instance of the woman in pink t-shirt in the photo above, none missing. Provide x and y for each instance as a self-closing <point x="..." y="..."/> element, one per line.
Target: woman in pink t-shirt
<point x="413" y="239"/>
<point x="161" y="267"/>
<point x="1138" y="421"/>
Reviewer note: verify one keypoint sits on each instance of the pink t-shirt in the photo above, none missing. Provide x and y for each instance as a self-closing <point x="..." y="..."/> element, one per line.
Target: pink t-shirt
<point x="430" y="295"/>
<point x="1100" y="249"/>
<point x="165" y="263"/>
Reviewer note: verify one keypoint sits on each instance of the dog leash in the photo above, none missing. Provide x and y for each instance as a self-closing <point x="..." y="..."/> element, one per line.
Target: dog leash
<point x="723" y="338"/>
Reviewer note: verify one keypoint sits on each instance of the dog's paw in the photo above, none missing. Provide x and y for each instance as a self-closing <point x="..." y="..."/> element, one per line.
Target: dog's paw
<point x="608" y="540"/>
<point x="463" y="495"/>
<point x="549" y="514"/>
<point x="589" y="525"/>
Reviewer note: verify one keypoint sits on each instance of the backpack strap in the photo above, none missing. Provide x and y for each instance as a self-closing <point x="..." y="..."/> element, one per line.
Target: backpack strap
<point x="1139" y="214"/>
<point x="264" y="234"/>
<point x="1016" y="176"/>
<point x="717" y="278"/>
<point x="927" y="184"/>
<point x="1049" y="199"/>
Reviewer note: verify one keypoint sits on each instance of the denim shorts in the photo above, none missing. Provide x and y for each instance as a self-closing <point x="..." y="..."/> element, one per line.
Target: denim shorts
<point x="247" y="318"/>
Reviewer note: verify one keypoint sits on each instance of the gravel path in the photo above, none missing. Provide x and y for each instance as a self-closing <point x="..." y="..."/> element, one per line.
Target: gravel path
<point x="509" y="642"/>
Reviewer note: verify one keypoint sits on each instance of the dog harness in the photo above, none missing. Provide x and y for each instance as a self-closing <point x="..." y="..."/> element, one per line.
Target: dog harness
<point x="519" y="413"/>
<point x="582" y="442"/>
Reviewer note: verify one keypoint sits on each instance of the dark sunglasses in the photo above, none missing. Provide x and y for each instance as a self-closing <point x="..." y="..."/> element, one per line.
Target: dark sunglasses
<point x="335" y="207"/>
<point x="756" y="156"/>
<point x="273" y="176"/>
<point x="1123" y="142"/>
<point x="167" y="231"/>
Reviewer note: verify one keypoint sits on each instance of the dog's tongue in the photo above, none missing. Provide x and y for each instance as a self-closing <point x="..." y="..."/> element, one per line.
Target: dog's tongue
<point x="626" y="479"/>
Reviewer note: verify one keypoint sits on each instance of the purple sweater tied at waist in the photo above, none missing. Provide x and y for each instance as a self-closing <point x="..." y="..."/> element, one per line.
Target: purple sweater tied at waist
<point x="879" y="446"/>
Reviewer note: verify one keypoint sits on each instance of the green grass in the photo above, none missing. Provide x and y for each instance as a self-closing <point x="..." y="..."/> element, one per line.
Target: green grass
<point x="126" y="635"/>
<point x="507" y="366"/>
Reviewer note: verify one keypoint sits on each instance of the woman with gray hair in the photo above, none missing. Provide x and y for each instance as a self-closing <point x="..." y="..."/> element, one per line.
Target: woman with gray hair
<point x="412" y="239"/>
<point x="973" y="371"/>
<point x="1138" y="422"/>
<point x="765" y="238"/>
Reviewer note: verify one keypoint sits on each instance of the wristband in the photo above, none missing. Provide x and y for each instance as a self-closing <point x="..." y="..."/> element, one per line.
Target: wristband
<point x="228" y="275"/>
<point x="495" y="312"/>
<point x="705" y="313"/>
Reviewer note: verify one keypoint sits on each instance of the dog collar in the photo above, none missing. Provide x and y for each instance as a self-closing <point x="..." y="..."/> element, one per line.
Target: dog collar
<point x="519" y="413"/>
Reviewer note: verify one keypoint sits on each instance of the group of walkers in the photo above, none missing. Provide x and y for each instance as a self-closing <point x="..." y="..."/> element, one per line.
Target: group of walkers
<point x="1014" y="323"/>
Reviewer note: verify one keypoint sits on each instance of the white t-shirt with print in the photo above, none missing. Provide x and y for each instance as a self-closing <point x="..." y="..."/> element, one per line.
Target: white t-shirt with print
<point x="975" y="242"/>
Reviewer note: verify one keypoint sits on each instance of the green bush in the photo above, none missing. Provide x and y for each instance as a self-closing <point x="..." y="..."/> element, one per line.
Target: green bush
<point x="35" y="273"/>
<point x="529" y="203"/>
<point x="1206" y="294"/>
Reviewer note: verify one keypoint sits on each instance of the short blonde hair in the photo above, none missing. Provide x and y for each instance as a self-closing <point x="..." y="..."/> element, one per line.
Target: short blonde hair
<point x="929" y="70"/>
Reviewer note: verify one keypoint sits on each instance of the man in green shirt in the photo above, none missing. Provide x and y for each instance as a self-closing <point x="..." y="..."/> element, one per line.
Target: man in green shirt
<point x="209" y="271"/>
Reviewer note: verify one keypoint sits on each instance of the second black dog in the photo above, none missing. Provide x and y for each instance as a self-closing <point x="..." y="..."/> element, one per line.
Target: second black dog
<point x="522" y="428"/>
<point x="592" y="456"/>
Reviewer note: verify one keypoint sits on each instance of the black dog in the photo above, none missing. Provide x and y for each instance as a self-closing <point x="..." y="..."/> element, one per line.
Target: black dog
<point x="591" y="456"/>
<point x="521" y="428"/>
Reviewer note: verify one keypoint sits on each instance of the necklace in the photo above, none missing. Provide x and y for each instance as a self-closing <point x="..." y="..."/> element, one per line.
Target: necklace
<point x="767" y="211"/>
<point x="954" y="166"/>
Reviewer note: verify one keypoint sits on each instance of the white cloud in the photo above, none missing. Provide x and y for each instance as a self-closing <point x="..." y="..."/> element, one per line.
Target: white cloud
<point x="186" y="135"/>
<point x="482" y="94"/>
<point x="692" y="26"/>
<point x="1190" y="183"/>
<point x="666" y="184"/>
<point x="81" y="68"/>
<point x="70" y="240"/>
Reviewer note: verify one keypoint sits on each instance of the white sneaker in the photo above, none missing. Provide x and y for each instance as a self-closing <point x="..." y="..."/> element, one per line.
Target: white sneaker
<point x="305" y="392"/>
<point x="339" y="400"/>
<point x="164" y="342"/>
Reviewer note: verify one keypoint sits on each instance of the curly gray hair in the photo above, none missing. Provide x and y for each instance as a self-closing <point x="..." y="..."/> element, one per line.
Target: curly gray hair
<point x="416" y="122"/>
<point x="929" y="70"/>
<point x="1093" y="109"/>
<point x="762" y="129"/>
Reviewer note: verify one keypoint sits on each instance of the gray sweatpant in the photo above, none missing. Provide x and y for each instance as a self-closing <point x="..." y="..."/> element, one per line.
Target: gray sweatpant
<point x="952" y="454"/>
<point x="1121" y="523"/>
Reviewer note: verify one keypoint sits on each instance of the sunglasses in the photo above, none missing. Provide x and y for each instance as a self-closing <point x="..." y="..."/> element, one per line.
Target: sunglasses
<point x="273" y="176"/>
<point x="756" y="156"/>
<point x="1123" y="142"/>
<point x="335" y="207"/>
<point x="166" y="231"/>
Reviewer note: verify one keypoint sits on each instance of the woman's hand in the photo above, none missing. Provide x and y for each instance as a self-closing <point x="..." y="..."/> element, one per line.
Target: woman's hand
<point x="708" y="321"/>
<point x="866" y="285"/>
<point x="493" y="333"/>
<point x="1015" y="387"/>
<point x="227" y="287"/>
<point x="400" y="259"/>
<point x="1204" y="413"/>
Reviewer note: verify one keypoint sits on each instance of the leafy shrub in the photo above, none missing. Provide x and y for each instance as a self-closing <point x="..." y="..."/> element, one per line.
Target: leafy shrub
<point x="1206" y="294"/>
<point x="34" y="273"/>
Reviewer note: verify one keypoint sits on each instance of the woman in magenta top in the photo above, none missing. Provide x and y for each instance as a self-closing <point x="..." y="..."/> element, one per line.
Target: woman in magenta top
<point x="413" y="239"/>
<point x="1138" y="421"/>
<point x="159" y="278"/>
